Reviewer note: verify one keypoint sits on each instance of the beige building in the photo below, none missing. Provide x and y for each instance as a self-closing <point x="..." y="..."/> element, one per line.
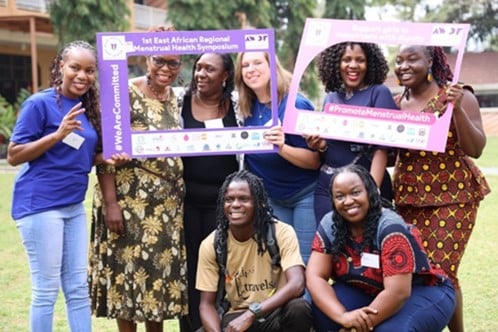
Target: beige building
<point x="28" y="43"/>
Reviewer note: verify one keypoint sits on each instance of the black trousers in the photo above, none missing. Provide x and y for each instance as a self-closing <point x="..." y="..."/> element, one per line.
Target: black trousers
<point x="199" y="220"/>
<point x="295" y="316"/>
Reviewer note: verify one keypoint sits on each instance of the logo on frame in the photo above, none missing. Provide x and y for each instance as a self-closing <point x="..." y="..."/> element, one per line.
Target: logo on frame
<point x="114" y="47"/>
<point x="256" y="41"/>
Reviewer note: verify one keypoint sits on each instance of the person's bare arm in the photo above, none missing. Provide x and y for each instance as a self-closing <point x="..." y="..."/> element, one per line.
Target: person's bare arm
<point x="113" y="215"/>
<point x="378" y="166"/>
<point x="21" y="153"/>
<point x="467" y="120"/>
<point x="397" y="289"/>
<point x="298" y="156"/>
<point x="292" y="289"/>
<point x="209" y="315"/>
<point x="318" y="272"/>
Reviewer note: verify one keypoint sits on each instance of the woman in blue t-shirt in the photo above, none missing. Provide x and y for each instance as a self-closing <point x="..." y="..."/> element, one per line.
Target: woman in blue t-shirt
<point x="290" y="175"/>
<point x="353" y="74"/>
<point x="56" y="138"/>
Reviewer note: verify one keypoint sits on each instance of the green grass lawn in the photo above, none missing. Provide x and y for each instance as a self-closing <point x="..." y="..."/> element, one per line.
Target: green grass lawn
<point x="477" y="272"/>
<point x="15" y="280"/>
<point x="489" y="157"/>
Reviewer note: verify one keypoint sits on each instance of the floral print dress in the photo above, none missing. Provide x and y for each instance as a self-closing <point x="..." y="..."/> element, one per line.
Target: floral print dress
<point x="142" y="275"/>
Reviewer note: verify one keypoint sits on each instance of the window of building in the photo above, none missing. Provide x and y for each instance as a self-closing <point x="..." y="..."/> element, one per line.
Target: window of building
<point x="488" y="100"/>
<point x="15" y="74"/>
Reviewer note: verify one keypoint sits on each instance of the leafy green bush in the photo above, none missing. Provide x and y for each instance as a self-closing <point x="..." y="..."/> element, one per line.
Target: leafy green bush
<point x="7" y="119"/>
<point x="8" y="114"/>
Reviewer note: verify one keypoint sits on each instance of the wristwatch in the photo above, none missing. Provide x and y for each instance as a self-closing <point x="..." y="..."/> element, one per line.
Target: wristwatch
<point x="257" y="309"/>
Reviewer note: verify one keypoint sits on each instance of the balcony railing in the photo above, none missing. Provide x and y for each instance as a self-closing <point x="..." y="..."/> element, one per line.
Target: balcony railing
<point x="146" y="17"/>
<point x="32" y="5"/>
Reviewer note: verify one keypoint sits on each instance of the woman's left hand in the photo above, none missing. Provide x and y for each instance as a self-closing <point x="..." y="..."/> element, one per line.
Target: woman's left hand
<point x="275" y="136"/>
<point x="455" y="95"/>
<point x="359" y="320"/>
<point x="118" y="159"/>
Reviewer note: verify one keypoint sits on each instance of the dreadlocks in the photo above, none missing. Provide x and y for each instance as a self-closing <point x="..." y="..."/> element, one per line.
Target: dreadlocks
<point x="263" y="213"/>
<point x="329" y="64"/>
<point x="90" y="100"/>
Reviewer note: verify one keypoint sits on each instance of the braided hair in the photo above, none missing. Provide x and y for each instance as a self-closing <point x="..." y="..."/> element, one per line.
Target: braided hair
<point x="441" y="70"/>
<point x="263" y="213"/>
<point x="340" y="226"/>
<point x="228" y="66"/>
<point x="329" y="64"/>
<point x="90" y="99"/>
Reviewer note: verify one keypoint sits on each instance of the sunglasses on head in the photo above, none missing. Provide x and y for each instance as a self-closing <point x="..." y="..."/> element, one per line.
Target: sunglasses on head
<point x="160" y="62"/>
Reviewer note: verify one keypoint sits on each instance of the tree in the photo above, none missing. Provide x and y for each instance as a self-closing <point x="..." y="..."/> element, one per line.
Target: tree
<point x="482" y="15"/>
<point x="81" y="20"/>
<point x="289" y="23"/>
<point x="214" y="15"/>
<point x="286" y="17"/>
<point x="346" y="10"/>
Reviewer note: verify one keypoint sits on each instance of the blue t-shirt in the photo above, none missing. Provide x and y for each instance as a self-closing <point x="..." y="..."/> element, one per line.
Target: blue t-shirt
<point x="59" y="177"/>
<point x="281" y="178"/>
<point x="341" y="153"/>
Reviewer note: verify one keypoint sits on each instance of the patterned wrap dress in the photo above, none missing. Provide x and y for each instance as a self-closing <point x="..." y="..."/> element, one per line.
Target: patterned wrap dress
<point x="142" y="275"/>
<point x="440" y="194"/>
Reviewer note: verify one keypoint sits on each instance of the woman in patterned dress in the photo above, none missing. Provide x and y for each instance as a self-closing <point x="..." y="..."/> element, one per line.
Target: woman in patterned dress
<point x="138" y="258"/>
<point x="440" y="192"/>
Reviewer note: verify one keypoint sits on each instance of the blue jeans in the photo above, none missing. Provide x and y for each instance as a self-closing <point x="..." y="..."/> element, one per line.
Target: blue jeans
<point x="297" y="211"/>
<point x="428" y="309"/>
<point x="56" y="243"/>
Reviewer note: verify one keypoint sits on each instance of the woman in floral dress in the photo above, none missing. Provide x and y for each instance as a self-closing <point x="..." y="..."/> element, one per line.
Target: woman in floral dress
<point x="138" y="260"/>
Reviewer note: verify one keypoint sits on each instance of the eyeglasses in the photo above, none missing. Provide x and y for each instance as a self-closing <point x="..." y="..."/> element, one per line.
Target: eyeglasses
<point x="160" y="62"/>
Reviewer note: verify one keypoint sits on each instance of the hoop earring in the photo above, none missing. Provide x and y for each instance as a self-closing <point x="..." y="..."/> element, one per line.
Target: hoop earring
<point x="429" y="75"/>
<point x="398" y="81"/>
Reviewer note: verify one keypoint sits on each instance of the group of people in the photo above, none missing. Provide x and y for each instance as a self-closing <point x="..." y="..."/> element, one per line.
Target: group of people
<point x="234" y="242"/>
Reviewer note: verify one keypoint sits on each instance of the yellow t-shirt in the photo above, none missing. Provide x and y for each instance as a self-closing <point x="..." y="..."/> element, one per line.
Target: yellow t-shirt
<point x="249" y="276"/>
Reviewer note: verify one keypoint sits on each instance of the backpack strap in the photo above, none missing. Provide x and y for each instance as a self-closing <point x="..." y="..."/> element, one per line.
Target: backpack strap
<point x="272" y="245"/>
<point x="274" y="251"/>
<point x="382" y="225"/>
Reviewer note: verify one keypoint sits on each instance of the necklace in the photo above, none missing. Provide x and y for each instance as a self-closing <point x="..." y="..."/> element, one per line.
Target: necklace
<point x="350" y="93"/>
<point x="262" y="107"/>
<point x="155" y="93"/>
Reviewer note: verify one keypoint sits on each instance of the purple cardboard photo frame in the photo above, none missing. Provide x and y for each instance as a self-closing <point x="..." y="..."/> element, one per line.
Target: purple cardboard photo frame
<point x="414" y="130"/>
<point x="114" y="48"/>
